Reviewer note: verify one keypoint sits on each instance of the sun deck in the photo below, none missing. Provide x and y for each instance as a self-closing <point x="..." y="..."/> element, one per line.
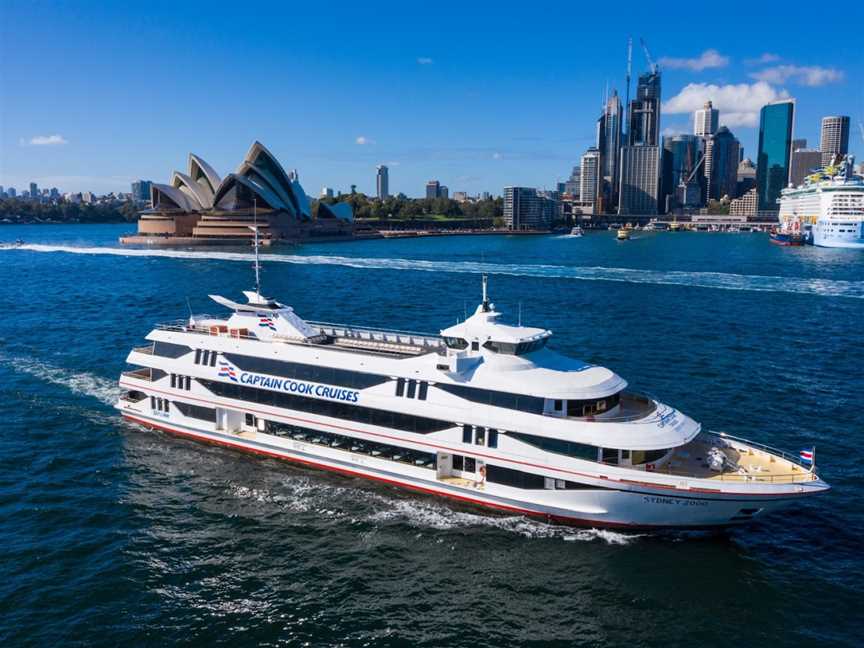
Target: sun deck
<point x="745" y="461"/>
<point x="354" y="338"/>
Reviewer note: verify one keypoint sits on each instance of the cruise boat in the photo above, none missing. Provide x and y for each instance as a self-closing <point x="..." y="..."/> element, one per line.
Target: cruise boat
<point x="485" y="413"/>
<point x="576" y="232"/>
<point x="828" y="208"/>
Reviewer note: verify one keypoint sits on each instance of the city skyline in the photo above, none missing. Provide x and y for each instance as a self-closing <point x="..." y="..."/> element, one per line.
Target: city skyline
<point x="451" y="101"/>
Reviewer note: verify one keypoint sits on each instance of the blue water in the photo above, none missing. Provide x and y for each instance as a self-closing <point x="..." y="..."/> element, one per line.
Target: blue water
<point x="111" y="534"/>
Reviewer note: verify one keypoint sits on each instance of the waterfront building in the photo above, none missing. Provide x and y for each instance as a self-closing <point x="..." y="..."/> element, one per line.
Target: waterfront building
<point x="776" y="121"/>
<point x="804" y="162"/>
<point x="640" y="179"/>
<point x="644" y="126"/>
<point x="682" y="157"/>
<point x="572" y="185"/>
<point x="589" y="179"/>
<point x="11" y="192"/>
<point x="460" y="196"/>
<point x="443" y="192"/>
<point x="54" y="194"/>
<point x="745" y="205"/>
<point x="2" y="193"/>
<point x="526" y="209"/>
<point x="34" y="191"/>
<point x="326" y="192"/>
<point x="721" y="175"/>
<point x="834" y="140"/>
<point x="433" y="189"/>
<point x="706" y="120"/>
<point x="486" y="196"/>
<point x="141" y="191"/>
<point x="800" y="143"/>
<point x="382" y="182"/>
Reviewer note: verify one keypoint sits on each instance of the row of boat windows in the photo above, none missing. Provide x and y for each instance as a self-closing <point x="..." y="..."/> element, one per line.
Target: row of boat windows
<point x="506" y="348"/>
<point x="205" y="357"/>
<point x="169" y="350"/>
<point x="335" y="409"/>
<point x="583" y="408"/>
<point x="181" y="382"/>
<point x="589" y="452"/>
<point x="159" y="404"/>
<point x="311" y="373"/>
<point x="530" y="404"/>
<point x="480" y="435"/>
<point x="196" y="411"/>
<point x="412" y="388"/>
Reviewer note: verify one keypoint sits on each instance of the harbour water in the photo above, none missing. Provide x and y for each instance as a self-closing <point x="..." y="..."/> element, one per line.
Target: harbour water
<point x="112" y="534"/>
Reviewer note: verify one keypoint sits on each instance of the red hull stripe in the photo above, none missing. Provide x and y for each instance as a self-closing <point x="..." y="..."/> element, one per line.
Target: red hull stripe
<point x="477" y="454"/>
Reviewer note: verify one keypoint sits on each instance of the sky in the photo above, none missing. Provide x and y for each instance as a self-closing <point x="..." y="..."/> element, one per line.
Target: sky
<point x="477" y="95"/>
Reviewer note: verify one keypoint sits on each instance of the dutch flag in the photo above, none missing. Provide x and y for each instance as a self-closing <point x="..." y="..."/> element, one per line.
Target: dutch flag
<point x="807" y="456"/>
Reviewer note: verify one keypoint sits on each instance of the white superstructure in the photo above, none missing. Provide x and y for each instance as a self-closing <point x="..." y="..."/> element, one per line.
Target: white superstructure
<point x="484" y="413"/>
<point x="828" y="207"/>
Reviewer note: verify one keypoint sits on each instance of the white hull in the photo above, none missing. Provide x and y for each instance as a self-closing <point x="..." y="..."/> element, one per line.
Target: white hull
<point x="633" y="505"/>
<point x="836" y="235"/>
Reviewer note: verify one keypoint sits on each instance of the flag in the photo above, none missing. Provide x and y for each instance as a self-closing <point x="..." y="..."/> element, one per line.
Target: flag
<point x="807" y="456"/>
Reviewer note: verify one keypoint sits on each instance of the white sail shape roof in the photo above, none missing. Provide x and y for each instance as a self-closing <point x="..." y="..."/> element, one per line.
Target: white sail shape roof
<point x="203" y="174"/>
<point x="192" y="189"/>
<point x="164" y="196"/>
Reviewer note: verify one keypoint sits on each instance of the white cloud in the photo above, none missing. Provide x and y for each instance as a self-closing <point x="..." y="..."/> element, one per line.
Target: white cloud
<point x="362" y="139"/>
<point x="767" y="57"/>
<point x="496" y="156"/>
<point x="739" y="104"/>
<point x="808" y="75"/>
<point x="44" y="140"/>
<point x="710" y="58"/>
<point x="425" y="60"/>
<point x="393" y="163"/>
<point x="671" y="131"/>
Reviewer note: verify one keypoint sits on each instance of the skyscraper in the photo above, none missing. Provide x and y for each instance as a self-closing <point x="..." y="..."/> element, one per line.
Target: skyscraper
<point x="524" y="209"/>
<point x="382" y="182"/>
<point x="776" y="121"/>
<point x="835" y="137"/>
<point x="706" y="120"/>
<point x="609" y="128"/>
<point x="589" y="178"/>
<point x="681" y="165"/>
<point x="722" y="175"/>
<point x="804" y="160"/>
<point x="34" y="190"/>
<point x="644" y="126"/>
<point x="141" y="191"/>
<point x="433" y="189"/>
<point x="640" y="179"/>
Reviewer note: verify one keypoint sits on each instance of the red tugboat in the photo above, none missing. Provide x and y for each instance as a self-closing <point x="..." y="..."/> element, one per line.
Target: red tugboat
<point x="785" y="236"/>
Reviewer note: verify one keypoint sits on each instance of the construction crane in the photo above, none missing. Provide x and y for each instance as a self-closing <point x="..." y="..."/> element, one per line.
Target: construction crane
<point x="651" y="64"/>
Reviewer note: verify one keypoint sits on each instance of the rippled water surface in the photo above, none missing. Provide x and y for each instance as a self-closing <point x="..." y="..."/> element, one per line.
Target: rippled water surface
<point x="112" y="534"/>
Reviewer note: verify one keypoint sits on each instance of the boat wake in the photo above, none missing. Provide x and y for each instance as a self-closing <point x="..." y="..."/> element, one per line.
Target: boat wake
<point x="717" y="280"/>
<point x="84" y="384"/>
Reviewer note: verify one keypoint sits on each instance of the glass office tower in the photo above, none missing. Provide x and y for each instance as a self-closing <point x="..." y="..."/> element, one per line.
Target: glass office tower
<point x="775" y="152"/>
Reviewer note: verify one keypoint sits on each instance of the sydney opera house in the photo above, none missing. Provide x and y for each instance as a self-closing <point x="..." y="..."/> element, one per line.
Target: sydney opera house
<point x="199" y="207"/>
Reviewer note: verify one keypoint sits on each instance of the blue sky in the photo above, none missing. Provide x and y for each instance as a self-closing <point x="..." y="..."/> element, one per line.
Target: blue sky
<point x="477" y="95"/>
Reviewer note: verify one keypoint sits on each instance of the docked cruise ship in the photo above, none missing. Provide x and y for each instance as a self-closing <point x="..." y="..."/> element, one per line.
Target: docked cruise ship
<point x="828" y="209"/>
<point x="484" y="413"/>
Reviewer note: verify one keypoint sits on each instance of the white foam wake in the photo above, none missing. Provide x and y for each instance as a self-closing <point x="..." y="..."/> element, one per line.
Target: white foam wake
<point x="82" y="383"/>
<point x="717" y="280"/>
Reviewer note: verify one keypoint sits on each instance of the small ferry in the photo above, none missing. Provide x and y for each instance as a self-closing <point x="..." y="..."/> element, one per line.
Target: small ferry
<point x="827" y="209"/>
<point x="484" y="413"/>
<point x="623" y="234"/>
<point x="576" y="231"/>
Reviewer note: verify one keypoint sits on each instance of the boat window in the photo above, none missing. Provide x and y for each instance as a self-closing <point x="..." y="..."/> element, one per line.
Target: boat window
<point x="610" y="456"/>
<point x="466" y="433"/>
<point x="458" y="462"/>
<point x="213" y="359"/>
<point x="205" y="358"/>
<point x="412" y="388"/>
<point x="196" y="411"/>
<point x="638" y="457"/>
<point x="470" y="464"/>
<point x="583" y="408"/>
<point x="400" y="386"/>
<point x="558" y="446"/>
<point x="515" y="348"/>
<point x="168" y="350"/>
<point x="493" y="438"/>
<point x="523" y="403"/>
<point x="475" y="345"/>
<point x="455" y="343"/>
<point x="559" y="405"/>
<point x="513" y="478"/>
<point x="197" y="356"/>
<point x="424" y="390"/>
<point x="480" y="436"/>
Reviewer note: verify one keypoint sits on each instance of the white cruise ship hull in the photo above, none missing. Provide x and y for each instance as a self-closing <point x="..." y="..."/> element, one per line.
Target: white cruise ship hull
<point x="833" y="234"/>
<point x="616" y="503"/>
